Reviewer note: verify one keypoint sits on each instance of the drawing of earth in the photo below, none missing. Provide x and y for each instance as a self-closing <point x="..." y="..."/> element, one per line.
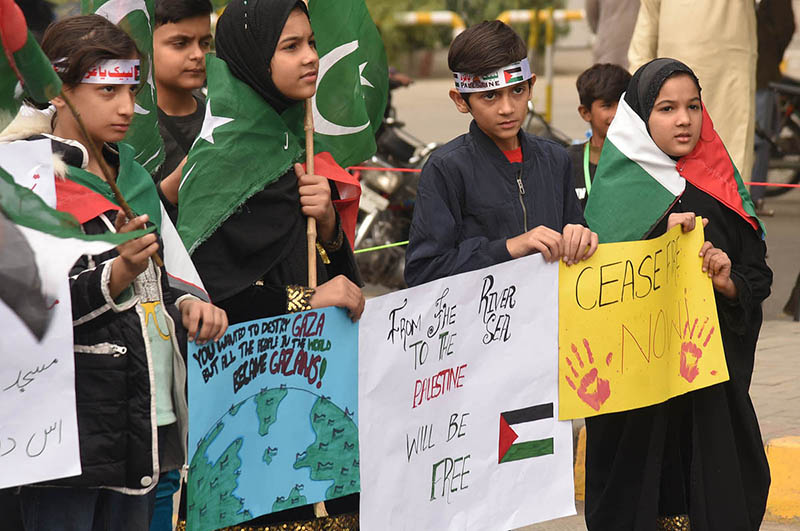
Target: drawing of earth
<point x="280" y="448"/>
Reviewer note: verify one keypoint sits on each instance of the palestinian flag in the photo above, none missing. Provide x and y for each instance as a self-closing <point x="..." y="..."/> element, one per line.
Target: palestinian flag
<point x="526" y="433"/>
<point x="513" y="75"/>
<point x="637" y="183"/>
<point x="135" y="17"/>
<point x="86" y="196"/>
<point x="24" y="68"/>
<point x="245" y="138"/>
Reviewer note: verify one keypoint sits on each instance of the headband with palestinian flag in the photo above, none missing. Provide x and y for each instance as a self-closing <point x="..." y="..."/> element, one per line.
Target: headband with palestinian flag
<point x="504" y="77"/>
<point x="113" y="72"/>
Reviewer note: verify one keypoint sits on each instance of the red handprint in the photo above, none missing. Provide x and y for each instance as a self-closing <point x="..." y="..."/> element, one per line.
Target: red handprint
<point x="593" y="390"/>
<point x="691" y="352"/>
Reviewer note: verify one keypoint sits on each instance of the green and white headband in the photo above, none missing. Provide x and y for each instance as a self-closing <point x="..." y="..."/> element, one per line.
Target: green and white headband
<point x="113" y="72"/>
<point x="504" y="77"/>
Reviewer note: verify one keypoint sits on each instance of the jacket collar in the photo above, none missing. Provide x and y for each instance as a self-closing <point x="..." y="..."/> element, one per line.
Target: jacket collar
<point x="488" y="146"/>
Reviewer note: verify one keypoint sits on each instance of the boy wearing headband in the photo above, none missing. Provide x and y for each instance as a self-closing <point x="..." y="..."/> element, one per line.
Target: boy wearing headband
<point x="495" y="193"/>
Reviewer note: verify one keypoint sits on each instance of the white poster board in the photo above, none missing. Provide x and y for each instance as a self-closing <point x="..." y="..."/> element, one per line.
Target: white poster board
<point x="458" y="403"/>
<point x="38" y="421"/>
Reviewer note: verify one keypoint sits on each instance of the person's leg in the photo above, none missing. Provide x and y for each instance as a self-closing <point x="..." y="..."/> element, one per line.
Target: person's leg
<point x="167" y="486"/>
<point x="765" y="122"/>
<point x="58" y="508"/>
<point x="127" y="512"/>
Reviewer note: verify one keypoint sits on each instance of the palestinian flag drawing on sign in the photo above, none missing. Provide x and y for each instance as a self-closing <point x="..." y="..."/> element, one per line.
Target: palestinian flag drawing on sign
<point x="24" y="68"/>
<point x="528" y="429"/>
<point x="136" y="18"/>
<point x="513" y="75"/>
<point x="637" y="183"/>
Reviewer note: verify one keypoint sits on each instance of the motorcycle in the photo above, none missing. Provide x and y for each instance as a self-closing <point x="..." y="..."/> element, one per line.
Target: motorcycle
<point x="387" y="202"/>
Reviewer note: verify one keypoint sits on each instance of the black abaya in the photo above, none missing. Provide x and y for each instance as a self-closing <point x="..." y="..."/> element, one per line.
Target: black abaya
<point x="699" y="454"/>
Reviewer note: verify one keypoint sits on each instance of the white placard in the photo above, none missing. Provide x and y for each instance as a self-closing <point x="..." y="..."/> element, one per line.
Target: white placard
<point x="31" y="165"/>
<point x="38" y="424"/>
<point x="458" y="403"/>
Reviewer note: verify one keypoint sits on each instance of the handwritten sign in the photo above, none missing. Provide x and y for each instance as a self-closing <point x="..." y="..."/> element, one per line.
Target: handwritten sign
<point x="272" y="417"/>
<point x="637" y="325"/>
<point x="30" y="162"/>
<point x="38" y="423"/>
<point x="458" y="403"/>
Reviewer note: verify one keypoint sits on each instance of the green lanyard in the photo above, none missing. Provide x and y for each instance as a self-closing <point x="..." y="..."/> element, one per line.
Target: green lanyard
<point x="586" y="176"/>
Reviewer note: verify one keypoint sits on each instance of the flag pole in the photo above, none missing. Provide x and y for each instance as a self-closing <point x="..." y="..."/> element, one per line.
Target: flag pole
<point x="107" y="174"/>
<point x="320" y="510"/>
<point x="311" y="227"/>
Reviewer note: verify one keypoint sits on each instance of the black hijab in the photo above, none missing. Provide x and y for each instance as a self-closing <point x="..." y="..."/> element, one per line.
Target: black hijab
<point x="247" y="35"/>
<point x="645" y="84"/>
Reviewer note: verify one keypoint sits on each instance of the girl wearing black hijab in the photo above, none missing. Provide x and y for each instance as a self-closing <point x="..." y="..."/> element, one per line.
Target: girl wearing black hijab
<point x="254" y="264"/>
<point x="696" y="461"/>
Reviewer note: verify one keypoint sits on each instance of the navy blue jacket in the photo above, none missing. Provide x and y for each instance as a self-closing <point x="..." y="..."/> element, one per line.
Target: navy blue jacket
<point x="470" y="201"/>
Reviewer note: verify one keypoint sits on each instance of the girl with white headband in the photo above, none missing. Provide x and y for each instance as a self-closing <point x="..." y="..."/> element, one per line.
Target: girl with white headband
<point x="127" y="319"/>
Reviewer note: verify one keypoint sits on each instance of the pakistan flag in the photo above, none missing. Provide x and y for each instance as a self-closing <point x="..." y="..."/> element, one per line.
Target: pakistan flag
<point x="136" y="18"/>
<point x="24" y="68"/>
<point x="244" y="144"/>
<point x="352" y="83"/>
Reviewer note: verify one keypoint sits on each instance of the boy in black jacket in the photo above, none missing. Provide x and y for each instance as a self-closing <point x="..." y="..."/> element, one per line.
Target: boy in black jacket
<point x="495" y="193"/>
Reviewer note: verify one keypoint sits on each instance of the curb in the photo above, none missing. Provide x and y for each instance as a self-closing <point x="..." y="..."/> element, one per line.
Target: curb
<point x="783" y="454"/>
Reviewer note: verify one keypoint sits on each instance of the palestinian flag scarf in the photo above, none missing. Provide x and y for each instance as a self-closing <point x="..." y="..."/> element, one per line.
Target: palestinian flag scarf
<point x="636" y="183"/>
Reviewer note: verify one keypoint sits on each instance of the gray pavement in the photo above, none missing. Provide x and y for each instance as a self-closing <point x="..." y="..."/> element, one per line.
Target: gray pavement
<point x="429" y="115"/>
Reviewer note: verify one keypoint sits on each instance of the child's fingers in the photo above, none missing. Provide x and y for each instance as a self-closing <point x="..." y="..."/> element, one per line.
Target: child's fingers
<point x="705" y="247"/>
<point x="190" y="322"/>
<point x="134" y="224"/>
<point x="594" y="241"/>
<point x="298" y="170"/>
<point x="571" y="240"/>
<point x="545" y="250"/>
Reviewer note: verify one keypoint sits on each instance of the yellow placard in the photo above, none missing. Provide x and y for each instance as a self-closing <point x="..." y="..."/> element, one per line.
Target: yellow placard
<point x="637" y="325"/>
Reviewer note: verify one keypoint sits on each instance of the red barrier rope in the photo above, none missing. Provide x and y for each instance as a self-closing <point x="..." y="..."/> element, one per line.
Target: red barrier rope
<point x="416" y="170"/>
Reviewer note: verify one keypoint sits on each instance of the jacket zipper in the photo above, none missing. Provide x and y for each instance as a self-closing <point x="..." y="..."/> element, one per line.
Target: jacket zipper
<point x="522" y="201"/>
<point x="102" y="348"/>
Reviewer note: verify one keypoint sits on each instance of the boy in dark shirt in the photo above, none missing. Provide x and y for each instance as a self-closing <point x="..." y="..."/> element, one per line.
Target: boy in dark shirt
<point x="495" y="193"/>
<point x="599" y="88"/>
<point x="181" y="39"/>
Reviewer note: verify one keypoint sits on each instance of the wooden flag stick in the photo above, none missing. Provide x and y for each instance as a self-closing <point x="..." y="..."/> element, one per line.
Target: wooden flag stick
<point x="107" y="173"/>
<point x="320" y="511"/>
<point x="311" y="228"/>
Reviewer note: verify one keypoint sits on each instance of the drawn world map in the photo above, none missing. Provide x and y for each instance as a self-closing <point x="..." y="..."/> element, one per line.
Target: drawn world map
<point x="280" y="431"/>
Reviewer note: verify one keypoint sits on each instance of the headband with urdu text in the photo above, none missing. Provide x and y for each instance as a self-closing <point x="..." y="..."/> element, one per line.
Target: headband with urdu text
<point x="113" y="72"/>
<point x="504" y="77"/>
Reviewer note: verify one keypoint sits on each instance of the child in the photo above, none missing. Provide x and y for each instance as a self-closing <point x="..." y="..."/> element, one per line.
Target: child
<point x="181" y="39"/>
<point x="697" y="459"/>
<point x="129" y="369"/>
<point x="599" y="88"/>
<point x="495" y="193"/>
<point x="255" y="262"/>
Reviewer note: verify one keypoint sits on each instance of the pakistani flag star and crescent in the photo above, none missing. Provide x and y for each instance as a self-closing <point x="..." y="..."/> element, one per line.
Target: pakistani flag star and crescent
<point x="259" y="146"/>
<point x="136" y="18"/>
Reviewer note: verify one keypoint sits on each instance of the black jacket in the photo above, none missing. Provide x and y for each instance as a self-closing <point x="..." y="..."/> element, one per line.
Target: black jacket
<point x="114" y="387"/>
<point x="115" y="398"/>
<point x="471" y="200"/>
